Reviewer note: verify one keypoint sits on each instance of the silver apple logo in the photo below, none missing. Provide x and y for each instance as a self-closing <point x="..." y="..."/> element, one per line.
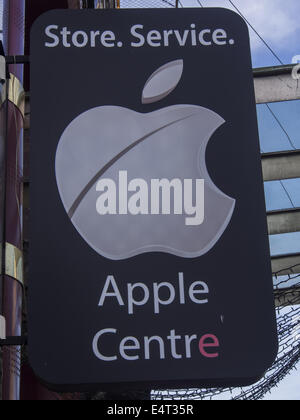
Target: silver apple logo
<point x="133" y="183"/>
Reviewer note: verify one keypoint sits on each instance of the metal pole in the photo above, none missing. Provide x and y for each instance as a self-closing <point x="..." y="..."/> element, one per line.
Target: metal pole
<point x="14" y="24"/>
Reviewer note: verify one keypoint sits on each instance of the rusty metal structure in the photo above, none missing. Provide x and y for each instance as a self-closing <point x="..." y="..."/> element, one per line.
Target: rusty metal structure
<point x="12" y="290"/>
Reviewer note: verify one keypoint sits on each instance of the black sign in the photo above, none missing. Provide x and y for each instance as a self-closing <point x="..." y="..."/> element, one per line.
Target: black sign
<point x="149" y="254"/>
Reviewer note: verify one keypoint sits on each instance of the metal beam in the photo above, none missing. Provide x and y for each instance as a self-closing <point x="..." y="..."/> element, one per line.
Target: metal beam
<point x="283" y="265"/>
<point x="273" y="71"/>
<point x="281" y="165"/>
<point x="284" y="221"/>
<point x="276" y="84"/>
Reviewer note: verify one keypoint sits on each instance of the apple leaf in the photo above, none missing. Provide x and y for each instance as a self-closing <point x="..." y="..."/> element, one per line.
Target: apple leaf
<point x="162" y="82"/>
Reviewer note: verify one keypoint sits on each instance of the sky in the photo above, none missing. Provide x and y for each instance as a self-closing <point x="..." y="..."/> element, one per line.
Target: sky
<point x="278" y="23"/>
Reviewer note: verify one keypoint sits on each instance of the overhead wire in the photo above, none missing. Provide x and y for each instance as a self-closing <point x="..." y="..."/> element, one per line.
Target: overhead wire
<point x="287" y="193"/>
<point x="257" y="33"/>
<point x="277" y="58"/>
<point x="281" y="126"/>
<point x="267" y="105"/>
<point x="169" y="3"/>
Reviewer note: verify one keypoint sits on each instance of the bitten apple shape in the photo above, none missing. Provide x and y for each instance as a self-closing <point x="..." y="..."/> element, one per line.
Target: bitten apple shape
<point x="166" y="144"/>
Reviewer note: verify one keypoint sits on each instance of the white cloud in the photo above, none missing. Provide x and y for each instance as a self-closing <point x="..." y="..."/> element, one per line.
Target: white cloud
<point x="277" y="21"/>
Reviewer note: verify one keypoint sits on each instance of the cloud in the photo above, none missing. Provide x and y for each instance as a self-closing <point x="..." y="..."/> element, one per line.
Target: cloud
<point x="277" y="21"/>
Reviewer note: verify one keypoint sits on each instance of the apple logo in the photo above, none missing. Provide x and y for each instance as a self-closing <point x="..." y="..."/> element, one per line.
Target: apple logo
<point x="134" y="182"/>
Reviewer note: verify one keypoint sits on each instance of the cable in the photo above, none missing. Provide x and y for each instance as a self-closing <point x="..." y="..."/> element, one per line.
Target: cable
<point x="275" y="55"/>
<point x="260" y="37"/>
<point x="252" y="27"/>
<point x="177" y="3"/>
<point x="169" y="3"/>
<point x="281" y="126"/>
<point x="287" y="193"/>
<point x="290" y="141"/>
<point x="280" y="61"/>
